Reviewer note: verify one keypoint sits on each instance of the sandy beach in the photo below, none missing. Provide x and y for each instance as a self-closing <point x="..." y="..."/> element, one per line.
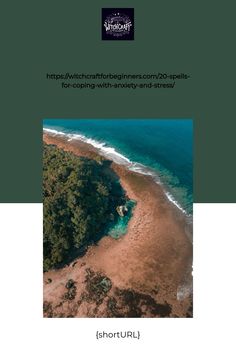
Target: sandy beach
<point x="149" y="267"/>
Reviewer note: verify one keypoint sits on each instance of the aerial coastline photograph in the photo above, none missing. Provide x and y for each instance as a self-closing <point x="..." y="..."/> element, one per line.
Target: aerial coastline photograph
<point x="117" y="218"/>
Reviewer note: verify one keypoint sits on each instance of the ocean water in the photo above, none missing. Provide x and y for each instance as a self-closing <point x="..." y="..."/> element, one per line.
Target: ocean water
<point x="161" y="148"/>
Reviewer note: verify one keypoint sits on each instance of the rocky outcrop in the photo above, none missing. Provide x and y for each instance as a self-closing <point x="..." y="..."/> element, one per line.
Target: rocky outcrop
<point x="122" y="210"/>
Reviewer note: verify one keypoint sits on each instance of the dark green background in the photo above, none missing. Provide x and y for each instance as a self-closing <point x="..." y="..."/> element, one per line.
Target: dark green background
<point x="195" y="37"/>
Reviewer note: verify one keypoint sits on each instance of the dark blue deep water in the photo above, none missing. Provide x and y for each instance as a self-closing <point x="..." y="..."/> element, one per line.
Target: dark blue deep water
<point x="162" y="148"/>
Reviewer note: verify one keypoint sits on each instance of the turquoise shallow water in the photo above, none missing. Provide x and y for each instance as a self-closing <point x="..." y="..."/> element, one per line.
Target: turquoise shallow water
<point x="162" y="148"/>
<point x="119" y="228"/>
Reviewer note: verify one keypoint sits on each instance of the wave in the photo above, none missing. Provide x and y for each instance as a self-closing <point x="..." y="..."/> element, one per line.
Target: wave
<point x="111" y="153"/>
<point x="53" y="131"/>
<point x="172" y="200"/>
<point x="184" y="291"/>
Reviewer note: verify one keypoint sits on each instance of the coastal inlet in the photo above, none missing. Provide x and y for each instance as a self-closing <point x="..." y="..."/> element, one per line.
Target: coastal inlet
<point x="125" y="213"/>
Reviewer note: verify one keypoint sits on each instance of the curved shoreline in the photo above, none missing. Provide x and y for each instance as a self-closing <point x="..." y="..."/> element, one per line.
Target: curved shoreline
<point x="154" y="257"/>
<point x="112" y="154"/>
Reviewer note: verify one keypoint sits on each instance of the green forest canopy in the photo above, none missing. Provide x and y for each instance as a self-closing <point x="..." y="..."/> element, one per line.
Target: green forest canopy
<point x="79" y="196"/>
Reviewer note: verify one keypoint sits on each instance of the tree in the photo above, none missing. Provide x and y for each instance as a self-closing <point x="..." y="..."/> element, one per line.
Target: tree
<point x="79" y="196"/>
